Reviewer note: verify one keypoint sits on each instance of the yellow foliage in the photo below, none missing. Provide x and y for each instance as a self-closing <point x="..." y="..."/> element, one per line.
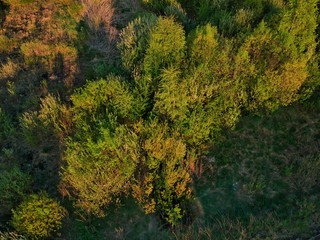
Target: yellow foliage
<point x="7" y="44"/>
<point x="38" y="216"/>
<point x="9" y="70"/>
<point x="35" y="49"/>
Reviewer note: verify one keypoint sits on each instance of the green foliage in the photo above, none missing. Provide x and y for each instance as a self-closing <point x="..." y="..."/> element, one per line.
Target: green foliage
<point x="102" y="155"/>
<point x="166" y="47"/>
<point x="171" y="99"/>
<point x="100" y="168"/>
<point x="38" y="216"/>
<point x="52" y="118"/>
<point x="14" y="184"/>
<point x="176" y="11"/>
<point x="303" y="32"/>
<point x="190" y="69"/>
<point x="277" y="73"/>
<point x="103" y="97"/>
<point x="162" y="183"/>
<point x="134" y="39"/>
<point x="53" y="114"/>
<point x="300" y="21"/>
<point x="202" y="44"/>
<point x="214" y="88"/>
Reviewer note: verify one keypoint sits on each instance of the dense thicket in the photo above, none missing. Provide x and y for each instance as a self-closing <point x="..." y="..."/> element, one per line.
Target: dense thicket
<point x="164" y="82"/>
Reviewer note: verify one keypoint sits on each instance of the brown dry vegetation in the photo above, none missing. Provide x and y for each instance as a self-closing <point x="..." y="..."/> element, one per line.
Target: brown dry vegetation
<point x="103" y="17"/>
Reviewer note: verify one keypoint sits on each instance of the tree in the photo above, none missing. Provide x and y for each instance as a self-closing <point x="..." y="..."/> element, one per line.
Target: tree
<point x="171" y="99"/>
<point x="134" y="40"/>
<point x="99" y="169"/>
<point x="300" y="21"/>
<point x="162" y="184"/>
<point x="215" y="92"/>
<point x="166" y="47"/>
<point x="160" y="5"/>
<point x="109" y="154"/>
<point x="202" y="43"/>
<point x="280" y="58"/>
<point x="102" y="152"/>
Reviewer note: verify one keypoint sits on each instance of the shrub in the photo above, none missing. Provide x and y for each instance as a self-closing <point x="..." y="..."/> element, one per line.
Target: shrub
<point x="202" y="44"/>
<point x="177" y="12"/>
<point x="51" y="118"/>
<point x="99" y="170"/>
<point x="38" y="216"/>
<point x="134" y="41"/>
<point x="163" y="181"/>
<point x="171" y="99"/>
<point x="166" y="47"/>
<point x="101" y="157"/>
<point x="6" y="44"/>
<point x="9" y="70"/>
<point x="36" y="51"/>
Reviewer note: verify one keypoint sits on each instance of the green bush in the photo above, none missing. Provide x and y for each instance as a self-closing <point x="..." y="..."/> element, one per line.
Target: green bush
<point x="101" y="156"/>
<point x="38" y="216"/>
<point x="166" y="47"/>
<point x="134" y="41"/>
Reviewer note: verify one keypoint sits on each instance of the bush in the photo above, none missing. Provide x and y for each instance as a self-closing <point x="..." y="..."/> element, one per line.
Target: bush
<point x="6" y="44"/>
<point x="134" y="41"/>
<point x="9" y="70"/>
<point x="166" y="47"/>
<point x="101" y="156"/>
<point x="163" y="181"/>
<point x="36" y="51"/>
<point x="38" y="216"/>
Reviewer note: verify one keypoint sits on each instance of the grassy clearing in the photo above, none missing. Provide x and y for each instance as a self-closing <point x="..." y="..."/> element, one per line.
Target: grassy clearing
<point x="265" y="179"/>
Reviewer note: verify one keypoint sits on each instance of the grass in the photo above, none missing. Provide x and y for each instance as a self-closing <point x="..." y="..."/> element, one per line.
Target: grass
<point x="125" y="221"/>
<point x="266" y="177"/>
